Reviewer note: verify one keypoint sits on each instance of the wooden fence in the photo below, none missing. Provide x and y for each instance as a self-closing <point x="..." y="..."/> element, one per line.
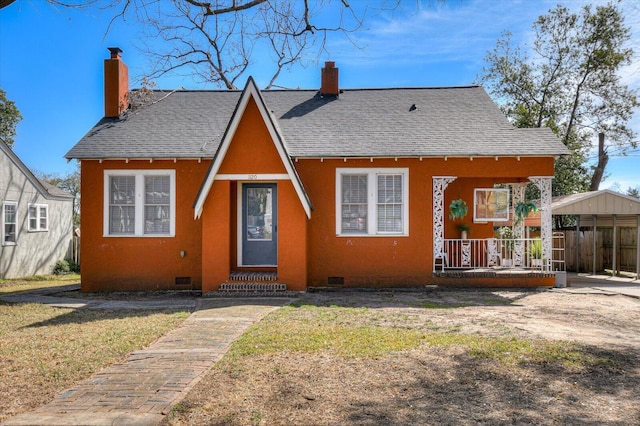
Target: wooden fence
<point x="626" y="256"/>
<point x="75" y="249"/>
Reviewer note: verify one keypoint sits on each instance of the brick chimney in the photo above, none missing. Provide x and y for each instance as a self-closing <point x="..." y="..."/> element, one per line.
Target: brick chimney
<point x="116" y="84"/>
<point x="329" y="83"/>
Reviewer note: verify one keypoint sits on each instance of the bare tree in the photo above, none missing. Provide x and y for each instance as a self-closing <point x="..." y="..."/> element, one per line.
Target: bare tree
<point x="218" y="40"/>
<point x="69" y="183"/>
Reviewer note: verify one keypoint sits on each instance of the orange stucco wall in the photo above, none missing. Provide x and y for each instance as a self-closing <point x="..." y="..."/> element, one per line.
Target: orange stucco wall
<point x="217" y="230"/>
<point x="398" y="260"/>
<point x="140" y="263"/>
<point x="252" y="152"/>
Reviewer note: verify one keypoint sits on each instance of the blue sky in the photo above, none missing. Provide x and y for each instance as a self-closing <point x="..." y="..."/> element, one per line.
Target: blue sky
<point x="51" y="61"/>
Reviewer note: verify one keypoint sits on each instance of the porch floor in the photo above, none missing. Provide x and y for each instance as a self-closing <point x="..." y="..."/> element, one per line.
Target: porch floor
<point x="494" y="277"/>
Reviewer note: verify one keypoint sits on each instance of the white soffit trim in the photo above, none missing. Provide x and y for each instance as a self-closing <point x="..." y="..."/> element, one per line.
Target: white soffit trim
<point x="251" y="91"/>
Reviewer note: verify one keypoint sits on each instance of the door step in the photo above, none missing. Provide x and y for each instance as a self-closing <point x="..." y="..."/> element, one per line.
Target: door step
<point x="254" y="287"/>
<point x="252" y="283"/>
<point x="248" y="276"/>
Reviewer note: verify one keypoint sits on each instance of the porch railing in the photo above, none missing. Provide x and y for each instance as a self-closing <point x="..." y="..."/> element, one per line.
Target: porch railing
<point x="490" y="253"/>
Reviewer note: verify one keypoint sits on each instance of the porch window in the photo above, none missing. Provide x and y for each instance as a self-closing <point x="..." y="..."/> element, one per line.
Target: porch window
<point x="491" y="204"/>
<point x="9" y="223"/>
<point x="38" y="217"/>
<point x="372" y="201"/>
<point x="139" y="203"/>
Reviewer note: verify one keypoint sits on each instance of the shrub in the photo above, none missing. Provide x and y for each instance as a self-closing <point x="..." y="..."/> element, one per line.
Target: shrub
<point x="64" y="267"/>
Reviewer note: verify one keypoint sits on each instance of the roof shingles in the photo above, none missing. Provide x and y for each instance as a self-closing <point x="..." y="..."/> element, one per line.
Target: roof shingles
<point x="460" y="121"/>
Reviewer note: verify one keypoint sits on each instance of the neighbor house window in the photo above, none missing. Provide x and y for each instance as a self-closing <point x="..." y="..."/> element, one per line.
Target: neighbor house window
<point x="38" y="217"/>
<point x="9" y="223"/>
<point x="139" y="202"/>
<point x="491" y="204"/>
<point x="372" y="201"/>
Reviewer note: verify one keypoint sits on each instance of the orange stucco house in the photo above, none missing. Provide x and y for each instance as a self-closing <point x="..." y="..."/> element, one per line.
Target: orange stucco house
<point x="291" y="189"/>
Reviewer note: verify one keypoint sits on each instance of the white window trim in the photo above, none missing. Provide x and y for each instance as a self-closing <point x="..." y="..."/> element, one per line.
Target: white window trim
<point x="489" y="219"/>
<point x="38" y="207"/>
<point x="372" y="214"/>
<point x="8" y="203"/>
<point x="139" y="205"/>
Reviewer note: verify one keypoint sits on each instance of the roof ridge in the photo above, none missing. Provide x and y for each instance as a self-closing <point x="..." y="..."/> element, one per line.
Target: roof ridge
<point x="351" y="89"/>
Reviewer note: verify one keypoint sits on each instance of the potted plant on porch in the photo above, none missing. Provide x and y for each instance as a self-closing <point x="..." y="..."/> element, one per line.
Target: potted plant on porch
<point x="464" y="230"/>
<point x="458" y="209"/>
<point x="535" y="252"/>
<point x="506" y="233"/>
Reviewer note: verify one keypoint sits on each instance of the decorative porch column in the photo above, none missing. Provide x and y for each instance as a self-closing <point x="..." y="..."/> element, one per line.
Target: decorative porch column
<point x="440" y="183"/>
<point x="518" y="190"/>
<point x="546" y="232"/>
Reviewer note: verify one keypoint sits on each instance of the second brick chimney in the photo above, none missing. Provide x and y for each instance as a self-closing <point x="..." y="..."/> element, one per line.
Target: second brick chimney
<point x="329" y="80"/>
<point x="116" y="84"/>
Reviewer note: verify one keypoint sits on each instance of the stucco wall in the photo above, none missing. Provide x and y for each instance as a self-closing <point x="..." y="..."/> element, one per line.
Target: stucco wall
<point x="140" y="263"/>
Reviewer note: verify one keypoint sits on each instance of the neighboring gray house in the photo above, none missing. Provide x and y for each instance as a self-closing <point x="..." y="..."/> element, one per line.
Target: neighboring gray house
<point x="36" y="220"/>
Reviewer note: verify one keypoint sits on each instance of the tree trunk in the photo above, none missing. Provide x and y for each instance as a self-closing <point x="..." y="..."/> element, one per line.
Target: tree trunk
<point x="603" y="159"/>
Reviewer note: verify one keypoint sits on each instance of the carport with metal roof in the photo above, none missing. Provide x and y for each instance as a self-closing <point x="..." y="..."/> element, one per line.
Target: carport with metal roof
<point x="604" y="208"/>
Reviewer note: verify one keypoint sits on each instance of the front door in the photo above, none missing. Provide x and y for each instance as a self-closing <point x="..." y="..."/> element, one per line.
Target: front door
<point x="259" y="224"/>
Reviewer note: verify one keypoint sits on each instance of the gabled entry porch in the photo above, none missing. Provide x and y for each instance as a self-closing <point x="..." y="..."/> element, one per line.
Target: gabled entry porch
<point x="252" y="204"/>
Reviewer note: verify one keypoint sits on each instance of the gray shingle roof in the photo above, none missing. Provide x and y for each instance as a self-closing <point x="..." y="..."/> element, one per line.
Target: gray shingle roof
<point x="460" y="121"/>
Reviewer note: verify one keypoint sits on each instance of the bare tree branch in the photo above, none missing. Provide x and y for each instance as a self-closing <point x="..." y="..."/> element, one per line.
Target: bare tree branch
<point x="219" y="40"/>
<point x="234" y="8"/>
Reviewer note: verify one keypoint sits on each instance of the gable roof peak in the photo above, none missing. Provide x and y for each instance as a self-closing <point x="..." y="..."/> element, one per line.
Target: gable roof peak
<point x="251" y="91"/>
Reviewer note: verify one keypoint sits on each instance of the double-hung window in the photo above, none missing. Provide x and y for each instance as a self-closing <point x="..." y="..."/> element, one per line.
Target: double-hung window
<point x="38" y="217"/>
<point x="9" y="223"/>
<point x="139" y="202"/>
<point x="372" y="201"/>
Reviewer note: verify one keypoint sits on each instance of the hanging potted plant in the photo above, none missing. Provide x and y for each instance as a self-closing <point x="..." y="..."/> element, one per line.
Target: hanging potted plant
<point x="522" y="210"/>
<point x="458" y="209"/>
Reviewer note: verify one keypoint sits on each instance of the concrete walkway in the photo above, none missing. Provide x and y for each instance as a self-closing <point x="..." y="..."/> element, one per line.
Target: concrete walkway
<point x="601" y="284"/>
<point x="143" y="389"/>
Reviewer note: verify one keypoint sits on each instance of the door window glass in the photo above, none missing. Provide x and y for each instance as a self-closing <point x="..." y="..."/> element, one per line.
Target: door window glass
<point x="259" y="220"/>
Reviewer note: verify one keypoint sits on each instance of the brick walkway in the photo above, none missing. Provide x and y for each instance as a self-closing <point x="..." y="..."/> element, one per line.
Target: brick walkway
<point x="142" y="390"/>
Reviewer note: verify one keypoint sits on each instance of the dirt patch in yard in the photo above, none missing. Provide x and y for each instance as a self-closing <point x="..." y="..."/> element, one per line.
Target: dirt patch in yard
<point x="569" y="359"/>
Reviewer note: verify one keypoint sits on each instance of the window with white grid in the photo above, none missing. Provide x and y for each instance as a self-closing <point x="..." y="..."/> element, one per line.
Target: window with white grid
<point x="354" y="203"/>
<point x="9" y="223"/>
<point x="157" y="207"/>
<point x="389" y="206"/>
<point x="140" y="202"/>
<point x="491" y="204"/>
<point x="38" y="217"/>
<point x="372" y="201"/>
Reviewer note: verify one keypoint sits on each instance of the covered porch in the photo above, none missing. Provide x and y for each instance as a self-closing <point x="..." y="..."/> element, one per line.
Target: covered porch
<point x="491" y="260"/>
